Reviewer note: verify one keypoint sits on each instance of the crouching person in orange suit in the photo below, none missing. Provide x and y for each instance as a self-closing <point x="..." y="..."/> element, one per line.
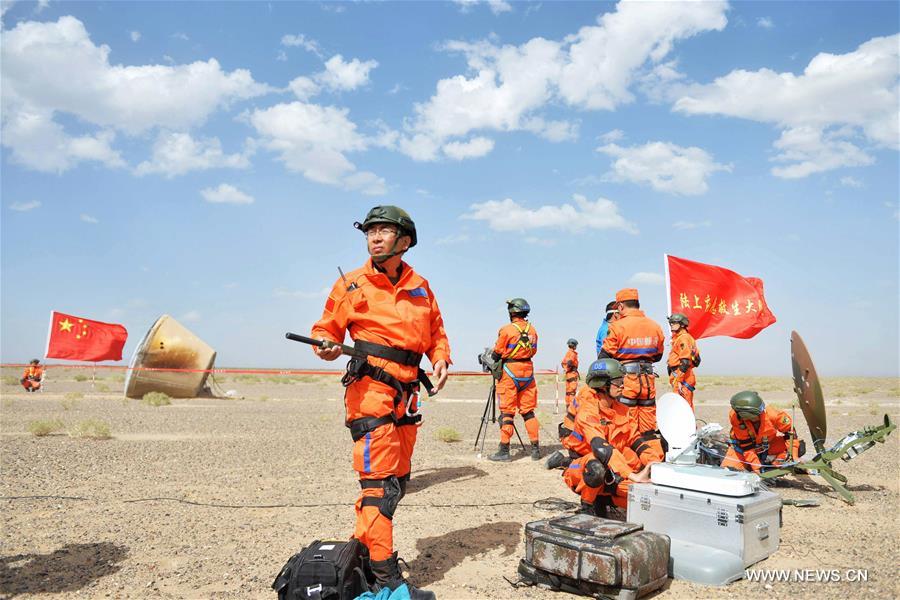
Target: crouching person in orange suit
<point x="612" y="451"/>
<point x="761" y="436"/>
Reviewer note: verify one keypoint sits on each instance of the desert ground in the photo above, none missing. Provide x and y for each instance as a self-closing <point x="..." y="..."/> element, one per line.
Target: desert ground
<point x="207" y="497"/>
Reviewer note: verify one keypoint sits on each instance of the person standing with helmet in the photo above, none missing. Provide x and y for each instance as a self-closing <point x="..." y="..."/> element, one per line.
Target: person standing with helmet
<point x="391" y="313"/>
<point x="636" y="341"/>
<point x="611" y="315"/>
<point x="33" y="376"/>
<point x="516" y="345"/>
<point x="611" y="452"/>
<point x="760" y="435"/>
<point x="683" y="358"/>
<point x="569" y="365"/>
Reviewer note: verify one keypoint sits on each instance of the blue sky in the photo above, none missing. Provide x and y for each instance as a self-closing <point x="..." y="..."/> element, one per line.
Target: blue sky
<point x="207" y="160"/>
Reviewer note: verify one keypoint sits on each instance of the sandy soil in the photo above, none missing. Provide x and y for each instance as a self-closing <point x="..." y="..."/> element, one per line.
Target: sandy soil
<point x="206" y="498"/>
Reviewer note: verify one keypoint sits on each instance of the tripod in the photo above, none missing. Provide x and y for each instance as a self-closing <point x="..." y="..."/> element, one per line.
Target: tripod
<point x="491" y="407"/>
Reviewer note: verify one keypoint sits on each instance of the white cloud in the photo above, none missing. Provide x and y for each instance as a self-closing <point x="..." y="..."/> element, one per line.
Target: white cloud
<point x="644" y="278"/>
<point x="592" y="69"/>
<point x="226" y="194"/>
<point x="765" y="22"/>
<point x="304" y="88"/>
<point x="135" y="36"/>
<point x="54" y="67"/>
<point x="41" y="5"/>
<point x="25" y="206"/>
<point x="616" y="135"/>
<point x="281" y="56"/>
<point x="179" y="153"/>
<point x="474" y="148"/>
<point x="340" y="75"/>
<point x="302" y="41"/>
<point x="497" y="6"/>
<point x="452" y="239"/>
<point x="850" y="181"/>
<point x="836" y="99"/>
<point x="808" y="150"/>
<point x="508" y="215"/>
<point x="284" y="293"/>
<point x="89" y="219"/>
<point x="666" y="167"/>
<point x="179" y="35"/>
<point x="691" y="224"/>
<point x="314" y="140"/>
<point x="191" y="316"/>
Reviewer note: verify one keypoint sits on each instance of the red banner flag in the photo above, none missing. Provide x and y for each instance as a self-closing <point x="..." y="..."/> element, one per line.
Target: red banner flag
<point x="75" y="338"/>
<point x="717" y="301"/>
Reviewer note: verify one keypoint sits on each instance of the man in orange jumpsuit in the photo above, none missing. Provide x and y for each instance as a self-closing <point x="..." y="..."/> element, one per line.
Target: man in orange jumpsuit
<point x="612" y="452"/>
<point x="516" y="345"/>
<point x="636" y="341"/>
<point x="570" y="370"/>
<point x="760" y="435"/>
<point x="391" y="314"/>
<point x="683" y="358"/>
<point x="32" y="377"/>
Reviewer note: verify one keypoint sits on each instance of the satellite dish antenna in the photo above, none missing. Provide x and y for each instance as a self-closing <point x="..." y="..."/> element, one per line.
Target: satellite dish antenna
<point x="676" y="422"/>
<point x="169" y="345"/>
<point x="808" y="390"/>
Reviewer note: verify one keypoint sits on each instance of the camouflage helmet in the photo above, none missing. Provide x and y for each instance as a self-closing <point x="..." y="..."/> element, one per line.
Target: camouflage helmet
<point x="572" y="342"/>
<point x="679" y="318"/>
<point x="35" y="361"/>
<point x="518" y="306"/>
<point x="748" y="405"/>
<point x="393" y="215"/>
<point x="602" y="371"/>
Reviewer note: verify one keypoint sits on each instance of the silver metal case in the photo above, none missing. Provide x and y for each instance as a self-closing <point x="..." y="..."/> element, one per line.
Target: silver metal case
<point x="748" y="527"/>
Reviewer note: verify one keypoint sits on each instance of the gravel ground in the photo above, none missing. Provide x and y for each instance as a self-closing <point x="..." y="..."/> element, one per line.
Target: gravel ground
<point x="206" y="498"/>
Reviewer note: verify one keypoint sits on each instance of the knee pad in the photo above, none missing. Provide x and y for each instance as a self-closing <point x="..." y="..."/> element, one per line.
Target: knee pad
<point x="388" y="502"/>
<point x="563" y="431"/>
<point x="602" y="450"/>
<point x="594" y="473"/>
<point x="528" y="416"/>
<point x="506" y="419"/>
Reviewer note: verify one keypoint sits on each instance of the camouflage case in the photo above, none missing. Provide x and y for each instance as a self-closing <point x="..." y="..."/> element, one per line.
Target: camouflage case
<point x="593" y="556"/>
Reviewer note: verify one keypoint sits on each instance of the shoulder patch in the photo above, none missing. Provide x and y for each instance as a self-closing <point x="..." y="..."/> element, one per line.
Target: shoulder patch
<point x="785" y="419"/>
<point x="419" y="292"/>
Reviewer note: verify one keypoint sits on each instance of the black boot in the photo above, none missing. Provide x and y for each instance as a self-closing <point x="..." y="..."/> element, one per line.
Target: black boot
<point x="502" y="454"/>
<point x="387" y="575"/>
<point x="535" y="451"/>
<point x="587" y="509"/>
<point x="557" y="460"/>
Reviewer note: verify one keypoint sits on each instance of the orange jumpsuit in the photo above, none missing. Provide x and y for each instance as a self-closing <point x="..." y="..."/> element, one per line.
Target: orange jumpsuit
<point x="761" y="443"/>
<point x="602" y="423"/>
<point x="404" y="316"/>
<point x="570" y="369"/>
<point x="637" y="342"/>
<point x="31" y="378"/>
<point x="517" y="344"/>
<point x="684" y="348"/>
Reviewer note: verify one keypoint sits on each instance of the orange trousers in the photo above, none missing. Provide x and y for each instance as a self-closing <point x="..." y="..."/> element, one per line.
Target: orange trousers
<point x="518" y="397"/>
<point x="30" y="386"/>
<point x="684" y="387"/>
<point x="378" y="455"/>
<point x="641" y="387"/>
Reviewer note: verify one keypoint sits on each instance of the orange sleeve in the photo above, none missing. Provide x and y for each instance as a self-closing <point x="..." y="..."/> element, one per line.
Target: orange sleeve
<point x="681" y="348"/>
<point x="440" y="345"/>
<point x="659" y="344"/>
<point x="612" y="342"/>
<point x="333" y="324"/>
<point x="780" y="420"/>
<point x="500" y="344"/>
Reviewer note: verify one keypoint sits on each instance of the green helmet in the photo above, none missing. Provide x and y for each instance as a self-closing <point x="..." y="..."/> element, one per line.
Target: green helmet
<point x="518" y="306"/>
<point x="602" y="371"/>
<point x="393" y="215"/>
<point x="679" y="318"/>
<point x="748" y="405"/>
<point x="572" y="342"/>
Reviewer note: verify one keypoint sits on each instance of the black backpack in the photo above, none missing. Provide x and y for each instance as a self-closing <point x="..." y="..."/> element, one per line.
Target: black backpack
<point x="324" y="571"/>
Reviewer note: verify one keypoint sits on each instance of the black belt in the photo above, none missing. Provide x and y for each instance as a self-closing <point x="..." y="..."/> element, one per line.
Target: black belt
<point x="398" y="355"/>
<point x="636" y="402"/>
<point x="516" y="360"/>
<point x="638" y="368"/>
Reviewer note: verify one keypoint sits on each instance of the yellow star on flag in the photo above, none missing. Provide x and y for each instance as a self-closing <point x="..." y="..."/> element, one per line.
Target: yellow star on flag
<point x="66" y="325"/>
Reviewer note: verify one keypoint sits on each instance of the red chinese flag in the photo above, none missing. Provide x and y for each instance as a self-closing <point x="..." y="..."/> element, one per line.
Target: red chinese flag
<point x="717" y="301"/>
<point x="76" y="338"/>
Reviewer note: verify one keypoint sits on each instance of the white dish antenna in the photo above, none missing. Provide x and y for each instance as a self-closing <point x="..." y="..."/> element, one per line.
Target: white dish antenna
<point x="676" y="422"/>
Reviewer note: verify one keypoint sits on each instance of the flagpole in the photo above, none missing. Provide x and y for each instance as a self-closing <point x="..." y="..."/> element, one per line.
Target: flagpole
<point x="668" y="285"/>
<point x="49" y="332"/>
